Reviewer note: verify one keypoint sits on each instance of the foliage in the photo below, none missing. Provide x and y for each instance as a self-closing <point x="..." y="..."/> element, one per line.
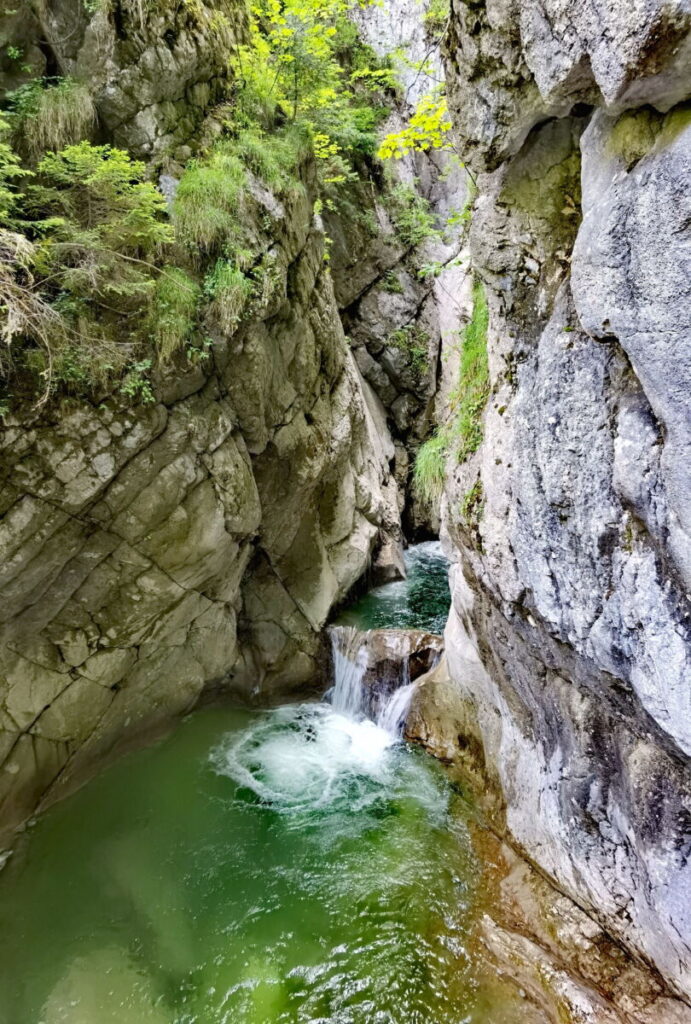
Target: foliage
<point x="136" y="383"/>
<point x="392" y="283"/>
<point x="411" y="214"/>
<point x="11" y="172"/>
<point x="174" y="311"/>
<point x="101" y="190"/>
<point x="429" y="471"/>
<point x="436" y="17"/>
<point x="305" y="65"/>
<point x="80" y="264"/>
<point x="468" y="401"/>
<point x="428" y="128"/>
<point x="412" y="340"/>
<point x="50" y="113"/>
<point x="229" y="289"/>
<point x="100" y="278"/>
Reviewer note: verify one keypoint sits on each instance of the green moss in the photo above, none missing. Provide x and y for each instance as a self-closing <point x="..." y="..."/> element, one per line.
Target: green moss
<point x="634" y="135"/>
<point x="543" y="182"/>
<point x="676" y="121"/>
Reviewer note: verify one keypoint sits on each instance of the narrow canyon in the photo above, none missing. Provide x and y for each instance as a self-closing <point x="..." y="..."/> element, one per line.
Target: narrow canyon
<point x="345" y="512"/>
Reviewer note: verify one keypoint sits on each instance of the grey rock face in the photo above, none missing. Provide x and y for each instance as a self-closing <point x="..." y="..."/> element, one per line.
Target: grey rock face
<point x="513" y="63"/>
<point x="149" y="552"/>
<point x="154" y="71"/>
<point x="569" y="642"/>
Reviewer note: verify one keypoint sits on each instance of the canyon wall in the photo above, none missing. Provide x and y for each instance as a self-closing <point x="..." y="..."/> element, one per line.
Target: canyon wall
<point x="152" y="551"/>
<point x="569" y="639"/>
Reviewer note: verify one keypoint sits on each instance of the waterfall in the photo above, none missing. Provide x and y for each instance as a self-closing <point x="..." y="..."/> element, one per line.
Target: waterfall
<point x="393" y="716"/>
<point x="349" y="664"/>
<point x="349" y="694"/>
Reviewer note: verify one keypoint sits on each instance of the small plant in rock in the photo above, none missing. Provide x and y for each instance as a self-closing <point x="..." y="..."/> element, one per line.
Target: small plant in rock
<point x="391" y="282"/>
<point x="136" y="384"/>
<point x="429" y="470"/>
<point x="174" y="311"/>
<point x="414" y="341"/>
<point x="470" y="396"/>
<point x="472" y="505"/>
<point x="411" y="214"/>
<point x="462" y="434"/>
<point x="51" y="113"/>
<point x="229" y="290"/>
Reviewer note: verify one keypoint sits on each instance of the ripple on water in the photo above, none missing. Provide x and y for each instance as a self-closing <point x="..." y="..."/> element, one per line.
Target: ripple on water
<point x="277" y="868"/>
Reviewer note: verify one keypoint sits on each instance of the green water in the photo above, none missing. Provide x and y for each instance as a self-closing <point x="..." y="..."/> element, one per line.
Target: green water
<point x="283" y="866"/>
<point x="276" y="867"/>
<point x="421" y="601"/>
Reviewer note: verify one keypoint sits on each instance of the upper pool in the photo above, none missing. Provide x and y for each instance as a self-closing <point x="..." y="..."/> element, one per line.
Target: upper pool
<point x="421" y="601"/>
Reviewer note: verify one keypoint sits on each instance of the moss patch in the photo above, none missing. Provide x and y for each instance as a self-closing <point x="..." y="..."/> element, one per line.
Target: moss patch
<point x="462" y="435"/>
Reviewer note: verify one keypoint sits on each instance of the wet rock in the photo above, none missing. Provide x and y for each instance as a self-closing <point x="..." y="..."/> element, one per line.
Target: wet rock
<point x="389" y="659"/>
<point x="388" y="564"/>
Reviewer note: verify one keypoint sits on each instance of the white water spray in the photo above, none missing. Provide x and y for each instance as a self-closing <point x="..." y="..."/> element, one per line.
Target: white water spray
<point x="303" y="758"/>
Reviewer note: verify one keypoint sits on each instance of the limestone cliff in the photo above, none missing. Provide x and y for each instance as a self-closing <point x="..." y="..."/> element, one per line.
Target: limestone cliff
<point x="155" y="550"/>
<point x="569" y="641"/>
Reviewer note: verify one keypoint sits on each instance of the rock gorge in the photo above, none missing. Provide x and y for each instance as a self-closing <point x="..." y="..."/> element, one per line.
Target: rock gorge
<point x="568" y="643"/>
<point x="156" y="553"/>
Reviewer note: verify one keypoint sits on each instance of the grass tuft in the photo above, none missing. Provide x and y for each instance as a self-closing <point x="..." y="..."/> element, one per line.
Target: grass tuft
<point x="174" y="316"/>
<point x="462" y="435"/>
<point x="429" y="471"/>
<point x="229" y="290"/>
<point x="469" y="398"/>
<point x="51" y="115"/>
<point x="207" y="208"/>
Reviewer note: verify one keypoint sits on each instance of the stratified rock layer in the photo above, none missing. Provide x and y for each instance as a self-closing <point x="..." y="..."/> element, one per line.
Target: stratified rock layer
<point x="569" y="641"/>
<point x="149" y="552"/>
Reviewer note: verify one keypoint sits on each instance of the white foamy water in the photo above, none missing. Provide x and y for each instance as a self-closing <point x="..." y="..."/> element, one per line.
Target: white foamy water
<point x="393" y="715"/>
<point x="313" y="756"/>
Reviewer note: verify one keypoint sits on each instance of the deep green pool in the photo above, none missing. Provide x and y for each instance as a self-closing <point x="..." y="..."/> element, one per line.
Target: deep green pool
<point x="270" y="867"/>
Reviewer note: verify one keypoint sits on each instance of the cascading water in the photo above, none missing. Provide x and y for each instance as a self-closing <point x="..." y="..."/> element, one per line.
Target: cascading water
<point x="349" y="648"/>
<point x="349" y="658"/>
<point x="311" y="756"/>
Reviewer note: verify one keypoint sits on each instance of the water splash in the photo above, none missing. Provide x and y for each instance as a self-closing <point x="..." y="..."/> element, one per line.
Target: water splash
<point x="313" y="757"/>
<point x="392" y="717"/>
